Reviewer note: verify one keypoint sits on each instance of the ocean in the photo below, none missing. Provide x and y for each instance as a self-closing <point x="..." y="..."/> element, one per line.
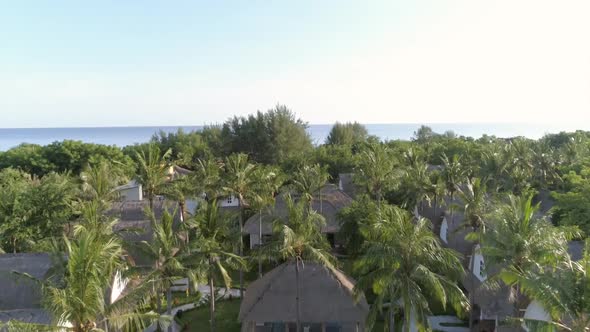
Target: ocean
<point x="122" y="136"/>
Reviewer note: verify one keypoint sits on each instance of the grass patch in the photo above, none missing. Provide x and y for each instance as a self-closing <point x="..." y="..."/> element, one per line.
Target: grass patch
<point x="226" y="317"/>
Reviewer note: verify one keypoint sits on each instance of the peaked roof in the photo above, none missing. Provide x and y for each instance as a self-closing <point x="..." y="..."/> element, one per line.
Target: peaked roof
<point x="333" y="200"/>
<point x="19" y="292"/>
<point x="326" y="295"/>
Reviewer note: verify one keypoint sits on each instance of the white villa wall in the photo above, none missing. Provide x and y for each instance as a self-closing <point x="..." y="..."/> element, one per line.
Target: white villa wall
<point x="229" y="201"/>
<point x="444" y="231"/>
<point x="535" y="311"/>
<point x="478" y="268"/>
<point x="119" y="284"/>
<point x="132" y="191"/>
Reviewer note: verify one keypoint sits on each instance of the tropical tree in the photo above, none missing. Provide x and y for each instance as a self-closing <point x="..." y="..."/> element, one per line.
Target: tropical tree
<point x="564" y="293"/>
<point x="405" y="263"/>
<point x="211" y="247"/>
<point x="476" y="204"/>
<point x="519" y="239"/>
<point x="376" y="169"/>
<point x="168" y="252"/>
<point x="239" y="181"/>
<point x="309" y="181"/>
<point x="453" y="175"/>
<point x="296" y="239"/>
<point x="153" y="170"/>
<point x="78" y="299"/>
<point x="179" y="190"/>
<point x="267" y="183"/>
<point x="99" y="182"/>
<point x="347" y="134"/>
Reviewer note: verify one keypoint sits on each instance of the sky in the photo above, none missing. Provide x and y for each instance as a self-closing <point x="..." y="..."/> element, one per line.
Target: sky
<point x="121" y="63"/>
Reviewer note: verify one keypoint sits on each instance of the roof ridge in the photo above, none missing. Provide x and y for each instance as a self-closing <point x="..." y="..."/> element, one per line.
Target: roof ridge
<point x="266" y="288"/>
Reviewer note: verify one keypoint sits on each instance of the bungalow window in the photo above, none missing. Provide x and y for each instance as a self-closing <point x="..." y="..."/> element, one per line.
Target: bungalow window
<point x="229" y="199"/>
<point x="333" y="327"/>
<point x="482" y="267"/>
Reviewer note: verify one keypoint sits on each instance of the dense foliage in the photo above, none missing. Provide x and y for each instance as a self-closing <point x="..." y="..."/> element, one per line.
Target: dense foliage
<point x="521" y="200"/>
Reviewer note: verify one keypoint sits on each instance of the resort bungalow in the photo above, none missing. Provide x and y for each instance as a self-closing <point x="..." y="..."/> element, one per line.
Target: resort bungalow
<point x="327" y="303"/>
<point x="332" y="201"/>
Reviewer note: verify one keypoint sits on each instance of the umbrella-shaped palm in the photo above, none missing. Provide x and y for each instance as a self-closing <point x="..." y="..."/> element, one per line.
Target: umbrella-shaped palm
<point x="239" y="182"/>
<point x="309" y="180"/>
<point x="76" y="299"/>
<point x="153" y="170"/>
<point x="298" y="238"/>
<point x="211" y="250"/>
<point x="405" y="263"/>
<point x="564" y="292"/>
<point x="376" y="169"/>
<point x="517" y="238"/>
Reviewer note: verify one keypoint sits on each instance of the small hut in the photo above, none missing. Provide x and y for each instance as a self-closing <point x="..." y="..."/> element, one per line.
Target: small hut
<point x="327" y="303"/>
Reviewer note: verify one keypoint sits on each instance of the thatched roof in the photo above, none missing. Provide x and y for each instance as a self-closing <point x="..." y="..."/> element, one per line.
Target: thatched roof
<point x="19" y="292"/>
<point x="333" y="200"/>
<point x="33" y="316"/>
<point x="326" y="295"/>
<point x="576" y="250"/>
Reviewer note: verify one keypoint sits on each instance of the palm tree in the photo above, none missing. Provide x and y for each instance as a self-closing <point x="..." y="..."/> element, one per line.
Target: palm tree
<point x="405" y="262"/>
<point x="179" y="190"/>
<point x="211" y="250"/>
<point x="475" y="202"/>
<point x="239" y="181"/>
<point x="309" y="180"/>
<point x="518" y="239"/>
<point x="77" y="297"/>
<point x="168" y="252"/>
<point x="296" y="239"/>
<point x="376" y="169"/>
<point x="100" y="181"/>
<point x="453" y="175"/>
<point x="266" y="185"/>
<point x="153" y="171"/>
<point x="564" y="293"/>
<point x="206" y="178"/>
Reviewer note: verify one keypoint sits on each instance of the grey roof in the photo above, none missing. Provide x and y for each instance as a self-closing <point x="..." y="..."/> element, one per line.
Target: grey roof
<point x="326" y="295"/>
<point x="576" y="250"/>
<point x="129" y="185"/>
<point x="131" y="215"/>
<point x="34" y="316"/>
<point x="333" y="200"/>
<point x="17" y="292"/>
<point x="347" y="184"/>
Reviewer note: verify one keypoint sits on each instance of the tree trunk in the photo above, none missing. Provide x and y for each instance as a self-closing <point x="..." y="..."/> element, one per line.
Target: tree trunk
<point x="260" y="242"/>
<point x="435" y="205"/>
<point x="471" y="268"/>
<point x="297" y="310"/>
<point x="14" y="245"/>
<point x="241" y="246"/>
<point x="169" y="306"/>
<point x="391" y="317"/>
<point x="320" y="197"/>
<point x="211" y="303"/>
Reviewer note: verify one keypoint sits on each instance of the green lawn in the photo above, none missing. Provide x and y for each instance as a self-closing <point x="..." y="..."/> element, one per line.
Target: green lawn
<point x="226" y="317"/>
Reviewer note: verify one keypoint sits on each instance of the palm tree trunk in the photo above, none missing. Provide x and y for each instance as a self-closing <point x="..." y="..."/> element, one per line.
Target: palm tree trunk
<point x="391" y="316"/>
<point x="260" y="242"/>
<point x="297" y="310"/>
<point x="211" y="303"/>
<point x="435" y="204"/>
<point x="241" y="246"/>
<point x="320" y="196"/>
<point x="14" y="245"/>
<point x="169" y="306"/>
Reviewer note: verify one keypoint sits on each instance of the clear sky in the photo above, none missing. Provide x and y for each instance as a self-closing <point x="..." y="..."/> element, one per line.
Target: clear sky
<point x="112" y="62"/>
